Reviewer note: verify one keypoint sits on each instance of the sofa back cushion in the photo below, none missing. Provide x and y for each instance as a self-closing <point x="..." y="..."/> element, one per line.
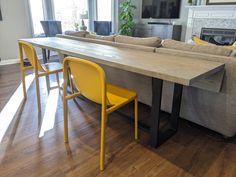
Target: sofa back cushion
<point x="149" y="41"/>
<point x="99" y="37"/>
<point x="77" y="33"/>
<point x="207" y="49"/>
<point x="104" y="42"/>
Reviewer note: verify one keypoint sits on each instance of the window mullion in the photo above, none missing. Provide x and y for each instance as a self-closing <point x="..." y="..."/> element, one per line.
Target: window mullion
<point x="92" y="11"/>
<point x="48" y="10"/>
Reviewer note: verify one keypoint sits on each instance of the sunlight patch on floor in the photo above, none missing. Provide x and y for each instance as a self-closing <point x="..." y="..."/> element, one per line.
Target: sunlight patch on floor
<point x="8" y="112"/>
<point x="50" y="112"/>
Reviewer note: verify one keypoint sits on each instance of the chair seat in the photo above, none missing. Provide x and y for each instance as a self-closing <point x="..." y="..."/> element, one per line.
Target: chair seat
<point x="118" y="96"/>
<point x="52" y="67"/>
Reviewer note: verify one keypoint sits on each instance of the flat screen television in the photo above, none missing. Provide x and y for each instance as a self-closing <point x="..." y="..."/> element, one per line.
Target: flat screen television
<point x="161" y="9"/>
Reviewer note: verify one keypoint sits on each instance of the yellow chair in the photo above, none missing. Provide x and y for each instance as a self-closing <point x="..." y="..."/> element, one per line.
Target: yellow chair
<point x="39" y="69"/>
<point x="232" y="47"/>
<point x="199" y="41"/>
<point x="90" y="80"/>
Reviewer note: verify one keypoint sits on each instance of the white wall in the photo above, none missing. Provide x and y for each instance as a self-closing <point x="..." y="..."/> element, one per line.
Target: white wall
<point x="15" y="25"/>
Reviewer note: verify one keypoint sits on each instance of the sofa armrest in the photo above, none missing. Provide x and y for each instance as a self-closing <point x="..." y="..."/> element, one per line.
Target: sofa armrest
<point x="213" y="83"/>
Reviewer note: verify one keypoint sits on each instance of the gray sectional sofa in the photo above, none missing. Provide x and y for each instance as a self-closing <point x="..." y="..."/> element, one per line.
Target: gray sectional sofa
<point x="212" y="106"/>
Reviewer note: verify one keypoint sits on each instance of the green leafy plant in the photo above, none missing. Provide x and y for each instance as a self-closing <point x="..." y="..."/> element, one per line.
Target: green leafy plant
<point x="190" y="2"/>
<point x="127" y="18"/>
<point x="76" y="25"/>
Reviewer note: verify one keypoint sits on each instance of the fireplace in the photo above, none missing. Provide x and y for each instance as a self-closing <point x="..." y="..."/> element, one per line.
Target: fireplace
<point x="218" y="36"/>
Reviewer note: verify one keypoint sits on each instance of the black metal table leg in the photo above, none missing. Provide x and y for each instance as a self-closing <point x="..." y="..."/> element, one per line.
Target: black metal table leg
<point x="176" y="106"/>
<point x="44" y="52"/>
<point x="156" y="110"/>
<point x="159" y="136"/>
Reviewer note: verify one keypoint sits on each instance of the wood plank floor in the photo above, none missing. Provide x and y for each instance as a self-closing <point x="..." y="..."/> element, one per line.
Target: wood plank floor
<point x="33" y="144"/>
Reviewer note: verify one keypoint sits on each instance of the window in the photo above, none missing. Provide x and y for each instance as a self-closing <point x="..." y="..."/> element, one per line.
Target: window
<point x="68" y="12"/>
<point x="104" y="10"/>
<point x="37" y="15"/>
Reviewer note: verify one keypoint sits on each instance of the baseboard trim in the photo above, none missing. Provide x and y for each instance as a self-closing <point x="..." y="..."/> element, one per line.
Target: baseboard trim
<point x="16" y="61"/>
<point x="9" y="62"/>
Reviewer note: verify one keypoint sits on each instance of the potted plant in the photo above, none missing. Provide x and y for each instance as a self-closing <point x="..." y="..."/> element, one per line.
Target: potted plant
<point x="76" y="26"/>
<point x="190" y="2"/>
<point x="127" y="18"/>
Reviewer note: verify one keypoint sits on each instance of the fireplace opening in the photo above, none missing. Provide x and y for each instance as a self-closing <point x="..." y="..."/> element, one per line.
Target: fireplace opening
<point x="218" y="36"/>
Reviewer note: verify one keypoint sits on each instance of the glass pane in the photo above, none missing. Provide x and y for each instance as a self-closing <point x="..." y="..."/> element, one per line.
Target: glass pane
<point x="36" y="8"/>
<point x="68" y="12"/>
<point x="104" y="10"/>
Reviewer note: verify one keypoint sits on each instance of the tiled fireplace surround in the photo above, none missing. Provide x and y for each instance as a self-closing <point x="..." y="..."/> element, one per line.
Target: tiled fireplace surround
<point x="213" y="16"/>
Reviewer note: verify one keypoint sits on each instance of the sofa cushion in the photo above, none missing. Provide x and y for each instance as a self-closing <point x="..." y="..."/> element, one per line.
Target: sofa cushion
<point x="99" y="37"/>
<point x="197" y="40"/>
<point x="149" y="41"/>
<point x="135" y="47"/>
<point x="207" y="49"/>
<point x="76" y="33"/>
<point x="111" y="43"/>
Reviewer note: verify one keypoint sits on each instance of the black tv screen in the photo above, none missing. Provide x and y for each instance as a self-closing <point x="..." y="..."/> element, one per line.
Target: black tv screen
<point x="161" y="8"/>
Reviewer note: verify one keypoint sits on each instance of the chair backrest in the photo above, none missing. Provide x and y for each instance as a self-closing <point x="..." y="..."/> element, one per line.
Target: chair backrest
<point x="51" y="28"/>
<point x="103" y="27"/>
<point x="89" y="78"/>
<point x="27" y="49"/>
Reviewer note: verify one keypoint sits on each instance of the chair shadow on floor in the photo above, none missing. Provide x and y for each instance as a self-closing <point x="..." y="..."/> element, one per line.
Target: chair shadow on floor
<point x="92" y="121"/>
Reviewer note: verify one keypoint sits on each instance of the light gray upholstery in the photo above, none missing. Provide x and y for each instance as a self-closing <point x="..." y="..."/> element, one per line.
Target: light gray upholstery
<point x="77" y="33"/>
<point x="216" y="111"/>
<point x="148" y="41"/>
<point x="105" y="42"/>
<point x="100" y="37"/>
<point x="213" y="110"/>
<point x="207" y="49"/>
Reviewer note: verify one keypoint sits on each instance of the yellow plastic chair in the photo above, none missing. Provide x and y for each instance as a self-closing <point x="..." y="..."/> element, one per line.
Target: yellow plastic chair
<point x="90" y="80"/>
<point x="199" y="41"/>
<point x="39" y="69"/>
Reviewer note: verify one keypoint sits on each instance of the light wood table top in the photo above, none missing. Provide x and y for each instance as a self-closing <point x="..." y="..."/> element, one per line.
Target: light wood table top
<point x="177" y="69"/>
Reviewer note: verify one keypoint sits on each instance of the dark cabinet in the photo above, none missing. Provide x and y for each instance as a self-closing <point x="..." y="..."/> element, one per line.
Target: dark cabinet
<point x="165" y="31"/>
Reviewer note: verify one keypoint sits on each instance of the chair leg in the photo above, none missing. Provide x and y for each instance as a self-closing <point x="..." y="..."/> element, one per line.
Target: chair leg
<point x="48" y="83"/>
<point x="58" y="80"/>
<point x="103" y="140"/>
<point x="71" y="84"/>
<point x="38" y="93"/>
<point x="23" y="83"/>
<point x="136" y="118"/>
<point x="65" y="112"/>
<point x="65" y="107"/>
<point x="48" y="55"/>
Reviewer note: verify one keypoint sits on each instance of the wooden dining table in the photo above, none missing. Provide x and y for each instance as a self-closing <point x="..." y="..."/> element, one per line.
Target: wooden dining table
<point x="180" y="70"/>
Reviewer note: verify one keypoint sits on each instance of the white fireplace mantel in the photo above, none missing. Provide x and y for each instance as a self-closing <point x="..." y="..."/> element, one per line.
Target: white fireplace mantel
<point x="209" y="12"/>
<point x="212" y="7"/>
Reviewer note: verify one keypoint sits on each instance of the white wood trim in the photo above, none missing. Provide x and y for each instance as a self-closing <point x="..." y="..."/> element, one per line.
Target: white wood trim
<point x="9" y="62"/>
<point x="208" y="12"/>
<point x="222" y="7"/>
<point x="214" y="13"/>
<point x="16" y="61"/>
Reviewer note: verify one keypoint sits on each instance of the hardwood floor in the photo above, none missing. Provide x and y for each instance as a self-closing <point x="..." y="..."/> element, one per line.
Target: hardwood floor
<point x="193" y="152"/>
